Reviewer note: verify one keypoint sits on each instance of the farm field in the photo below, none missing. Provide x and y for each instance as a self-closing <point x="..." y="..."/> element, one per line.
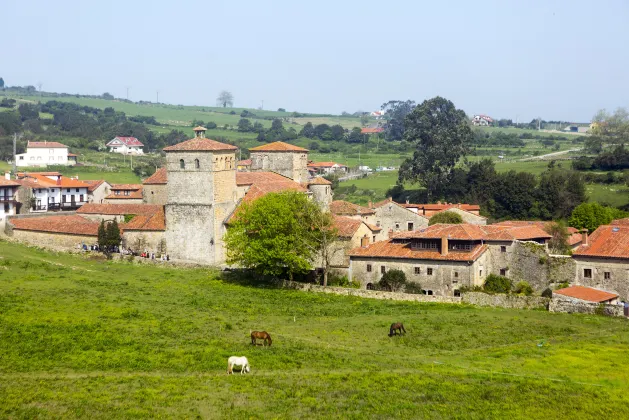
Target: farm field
<point x="87" y="338"/>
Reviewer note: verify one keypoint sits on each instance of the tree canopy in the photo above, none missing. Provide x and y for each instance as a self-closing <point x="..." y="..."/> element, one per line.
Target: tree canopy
<point x="394" y="113"/>
<point x="592" y="215"/>
<point x="225" y="99"/>
<point x="448" y="217"/>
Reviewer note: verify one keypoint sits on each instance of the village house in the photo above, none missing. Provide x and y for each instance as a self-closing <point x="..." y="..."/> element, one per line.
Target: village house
<point x="125" y="145"/>
<point x="393" y="217"/>
<point x="285" y="159"/>
<point x="602" y="260"/>
<point x="97" y="190"/>
<point x="371" y="130"/>
<point x="244" y="165"/>
<point x="8" y="199"/>
<point x="443" y="258"/>
<point x="43" y="153"/>
<point x="354" y="211"/>
<point x="60" y="232"/>
<point x="50" y="191"/>
<point x="482" y="120"/>
<point x="352" y="233"/>
<point x="125" y="194"/>
<point x="574" y="239"/>
<point x="326" y="168"/>
<point x="154" y="188"/>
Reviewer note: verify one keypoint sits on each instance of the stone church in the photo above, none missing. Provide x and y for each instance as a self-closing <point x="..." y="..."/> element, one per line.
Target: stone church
<point x="203" y="189"/>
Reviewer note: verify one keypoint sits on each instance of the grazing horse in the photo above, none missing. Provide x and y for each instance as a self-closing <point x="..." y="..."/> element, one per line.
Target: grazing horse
<point x="238" y="361"/>
<point x="397" y="326"/>
<point x="262" y="335"/>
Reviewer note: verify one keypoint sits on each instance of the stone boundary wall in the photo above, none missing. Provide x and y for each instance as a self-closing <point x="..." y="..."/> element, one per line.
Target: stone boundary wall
<point x="570" y="306"/>
<point x="506" y="301"/>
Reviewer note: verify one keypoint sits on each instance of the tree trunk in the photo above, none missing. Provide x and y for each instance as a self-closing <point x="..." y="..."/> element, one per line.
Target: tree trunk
<point x="325" y="275"/>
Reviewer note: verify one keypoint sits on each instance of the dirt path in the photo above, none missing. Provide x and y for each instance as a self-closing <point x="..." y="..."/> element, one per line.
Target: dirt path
<point x="542" y="157"/>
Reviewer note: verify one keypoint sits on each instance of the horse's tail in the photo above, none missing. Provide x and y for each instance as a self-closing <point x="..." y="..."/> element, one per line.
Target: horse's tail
<point x="391" y="330"/>
<point x="268" y="336"/>
<point x="403" y="329"/>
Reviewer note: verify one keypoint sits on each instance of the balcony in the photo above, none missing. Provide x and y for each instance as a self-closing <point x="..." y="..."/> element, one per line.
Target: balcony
<point x="6" y="198"/>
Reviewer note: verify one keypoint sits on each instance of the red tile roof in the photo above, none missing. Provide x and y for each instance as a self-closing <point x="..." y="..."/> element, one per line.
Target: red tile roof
<point x="469" y="232"/>
<point x="345" y="208"/>
<point x="126" y="187"/>
<point x="128" y="141"/>
<point x="160" y="177"/>
<point x="199" y="144"/>
<point x="45" y="145"/>
<point x="319" y="181"/>
<point x="35" y="180"/>
<point x="72" y="225"/>
<point x="278" y="146"/>
<point x="72" y="155"/>
<point x="392" y="249"/>
<point x="444" y="206"/>
<point x="608" y="241"/>
<point x="586" y="293"/>
<point x="8" y="183"/>
<point x="574" y="237"/>
<point x="154" y="222"/>
<point x="244" y="162"/>
<point x="620" y="221"/>
<point x="346" y="226"/>
<point x="372" y="130"/>
<point x="133" y="195"/>
<point x="119" y="209"/>
<point x="94" y="183"/>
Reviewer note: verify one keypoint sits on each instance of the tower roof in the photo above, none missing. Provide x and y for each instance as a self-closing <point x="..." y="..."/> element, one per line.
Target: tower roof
<point x="199" y="144"/>
<point x="278" y="146"/>
<point x="319" y="181"/>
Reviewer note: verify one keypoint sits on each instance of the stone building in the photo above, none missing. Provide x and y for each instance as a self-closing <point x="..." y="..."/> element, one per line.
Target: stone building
<point x="125" y="194"/>
<point x="354" y="211"/>
<point x="321" y="190"/>
<point x="282" y="158"/>
<point x="154" y="188"/>
<point x="97" y="190"/>
<point x="393" y="217"/>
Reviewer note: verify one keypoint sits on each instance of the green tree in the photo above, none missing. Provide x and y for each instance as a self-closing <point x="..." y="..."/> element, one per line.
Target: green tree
<point x="108" y="96"/>
<point x="395" y="114"/>
<point x="559" y="192"/>
<point x="447" y="217"/>
<point x="558" y="244"/>
<point x="392" y="280"/>
<point x="612" y="128"/>
<point x="225" y="99"/>
<point x="274" y="235"/>
<point x="28" y="111"/>
<point x="441" y="135"/>
<point x="1" y="83"/>
<point x="307" y="130"/>
<point x="523" y="288"/>
<point x="497" y="284"/>
<point x="592" y="215"/>
<point x="102" y="235"/>
<point x="244" y="125"/>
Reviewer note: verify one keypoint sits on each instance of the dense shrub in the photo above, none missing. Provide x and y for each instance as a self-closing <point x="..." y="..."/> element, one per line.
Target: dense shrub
<point x="446" y="217"/>
<point x="393" y="280"/>
<point x="497" y="284"/>
<point x="547" y="293"/>
<point x="413" y="288"/>
<point x="524" y="288"/>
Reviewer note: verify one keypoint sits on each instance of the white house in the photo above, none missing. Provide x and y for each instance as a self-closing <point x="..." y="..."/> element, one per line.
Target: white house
<point x="49" y="191"/>
<point x="482" y="120"/>
<point x="8" y="199"/>
<point x="43" y="153"/>
<point x="126" y="145"/>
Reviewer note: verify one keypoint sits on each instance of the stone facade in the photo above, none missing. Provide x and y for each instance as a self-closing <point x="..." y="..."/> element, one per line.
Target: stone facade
<point x="468" y="217"/>
<point x="392" y="217"/>
<point x="123" y="201"/>
<point x="616" y="280"/>
<point x="506" y="301"/>
<point x="291" y="164"/>
<point x="155" y="194"/>
<point x="322" y="194"/>
<point x="98" y="194"/>
<point x="54" y="241"/>
<point x="140" y="240"/>
<point x="575" y="306"/>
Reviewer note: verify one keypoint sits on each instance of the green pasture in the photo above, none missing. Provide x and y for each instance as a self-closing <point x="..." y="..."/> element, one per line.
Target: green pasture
<point x="84" y="338"/>
<point x="518" y="131"/>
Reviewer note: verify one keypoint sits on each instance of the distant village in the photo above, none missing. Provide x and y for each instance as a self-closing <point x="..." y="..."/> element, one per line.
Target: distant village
<point x="185" y="208"/>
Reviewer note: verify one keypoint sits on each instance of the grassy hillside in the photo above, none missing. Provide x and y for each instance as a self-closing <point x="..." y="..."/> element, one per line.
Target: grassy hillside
<point x="92" y="339"/>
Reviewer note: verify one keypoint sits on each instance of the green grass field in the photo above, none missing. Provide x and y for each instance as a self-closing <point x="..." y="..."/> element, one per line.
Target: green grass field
<point x="91" y="339"/>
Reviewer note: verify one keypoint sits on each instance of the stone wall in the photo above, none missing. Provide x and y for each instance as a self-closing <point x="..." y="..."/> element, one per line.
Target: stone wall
<point x="54" y="241"/>
<point x="322" y="195"/>
<point x="141" y="240"/>
<point x="98" y="195"/>
<point x="469" y="217"/>
<point x="123" y="201"/>
<point x="190" y="232"/>
<point x="293" y="165"/>
<point x="154" y="194"/>
<point x="618" y="281"/>
<point x="391" y="217"/>
<point x="505" y="301"/>
<point x="571" y="306"/>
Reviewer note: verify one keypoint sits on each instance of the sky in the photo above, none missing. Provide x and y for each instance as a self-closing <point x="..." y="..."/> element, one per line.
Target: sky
<point x="558" y="60"/>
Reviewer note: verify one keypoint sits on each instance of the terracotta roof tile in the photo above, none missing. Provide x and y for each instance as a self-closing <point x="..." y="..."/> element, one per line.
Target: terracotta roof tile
<point x="200" y="144"/>
<point x="73" y="225"/>
<point x="94" y="183"/>
<point x="126" y="187"/>
<point x="8" y="183"/>
<point x="319" y="181"/>
<point x="133" y="195"/>
<point x="155" y="222"/>
<point x="574" y="234"/>
<point x="369" y="130"/>
<point x="278" y="146"/>
<point x="620" y="222"/>
<point x="393" y="249"/>
<point x="37" y="180"/>
<point x="346" y="226"/>
<point x="608" y="241"/>
<point x="160" y="177"/>
<point x="119" y="209"/>
<point x="586" y="293"/>
<point x="45" y="145"/>
<point x="345" y="208"/>
<point x="127" y="141"/>
<point x="244" y="162"/>
<point x="469" y="232"/>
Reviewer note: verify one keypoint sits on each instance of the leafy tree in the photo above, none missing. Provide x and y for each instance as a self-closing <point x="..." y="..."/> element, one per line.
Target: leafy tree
<point x="364" y="121"/>
<point x="558" y="244"/>
<point x="447" y="217"/>
<point x="28" y="111"/>
<point x="108" y="96"/>
<point x="7" y="103"/>
<point x="113" y="234"/>
<point x="281" y="110"/>
<point x="613" y="128"/>
<point x="593" y="144"/>
<point x="225" y="99"/>
<point x="337" y="132"/>
<point x="325" y="237"/>
<point x="441" y="135"/>
<point x="355" y="136"/>
<point x="10" y="122"/>
<point x="274" y="235"/>
<point x="307" y="130"/>
<point x="592" y="215"/>
<point x="497" y="284"/>
<point x="102" y="235"/>
<point x="244" y="125"/>
<point x="395" y="116"/>
<point x="514" y="195"/>
<point x="392" y="280"/>
<point x="1" y="82"/>
<point x="313" y="146"/>
<point x="559" y="192"/>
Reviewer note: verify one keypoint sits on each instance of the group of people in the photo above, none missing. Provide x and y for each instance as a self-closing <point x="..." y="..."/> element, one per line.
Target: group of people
<point x="151" y="255"/>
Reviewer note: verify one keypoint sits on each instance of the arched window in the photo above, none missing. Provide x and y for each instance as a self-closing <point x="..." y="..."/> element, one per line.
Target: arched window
<point x="429" y="292"/>
<point x="369" y="286"/>
<point x="182" y="164"/>
<point x="197" y="165"/>
<point x="457" y="293"/>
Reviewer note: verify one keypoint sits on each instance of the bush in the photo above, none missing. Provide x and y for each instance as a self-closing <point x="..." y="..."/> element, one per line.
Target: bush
<point x="497" y="284"/>
<point x="449" y="217"/>
<point x="524" y="288"/>
<point x="465" y="289"/>
<point x="393" y="280"/>
<point x="562" y="285"/>
<point x="547" y="293"/>
<point x="413" y="288"/>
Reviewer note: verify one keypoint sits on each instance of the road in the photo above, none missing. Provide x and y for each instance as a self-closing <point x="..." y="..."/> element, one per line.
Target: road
<point x="542" y="157"/>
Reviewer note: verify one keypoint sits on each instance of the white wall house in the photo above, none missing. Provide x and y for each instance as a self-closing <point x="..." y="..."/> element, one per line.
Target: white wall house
<point x="43" y="153"/>
<point x="126" y="145"/>
<point x="482" y="120"/>
<point x="51" y="191"/>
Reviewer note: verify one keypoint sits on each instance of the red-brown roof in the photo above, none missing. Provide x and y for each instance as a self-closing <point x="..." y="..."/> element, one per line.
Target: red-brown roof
<point x="369" y="130"/>
<point x="128" y="141"/>
<point x="244" y="162"/>
<point x="119" y="209"/>
<point x="392" y="249"/>
<point x="93" y="183"/>
<point x="325" y="164"/>
<point x="469" y="232"/>
<point x="45" y="145"/>
<point x="345" y="208"/>
<point x="155" y="222"/>
<point x="72" y="155"/>
<point x="36" y="180"/>
<point x="574" y="234"/>
<point x="346" y="226"/>
<point x="130" y="187"/>
<point x="319" y="181"/>
<point x="443" y="206"/>
<point x="160" y="177"/>
<point x="586" y="293"/>
<point x="620" y="221"/>
<point x="8" y="183"/>
<point x="608" y="241"/>
<point x="133" y="195"/>
<point x="199" y="144"/>
<point x="278" y="146"/>
<point x="72" y="225"/>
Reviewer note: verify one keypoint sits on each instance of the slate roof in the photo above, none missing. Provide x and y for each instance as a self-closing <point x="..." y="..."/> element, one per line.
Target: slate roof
<point x="345" y="208"/>
<point x="45" y="145"/>
<point x="608" y="241"/>
<point x="73" y="225"/>
<point x="586" y="293"/>
<point x="160" y="177"/>
<point x="199" y="144"/>
<point x="392" y="249"/>
<point x="278" y="146"/>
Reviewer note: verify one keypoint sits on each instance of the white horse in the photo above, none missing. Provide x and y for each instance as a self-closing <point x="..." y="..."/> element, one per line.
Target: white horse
<point x="238" y="361"/>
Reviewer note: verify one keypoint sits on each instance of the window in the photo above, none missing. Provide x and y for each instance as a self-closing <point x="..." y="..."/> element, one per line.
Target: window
<point x="67" y="190"/>
<point x="461" y="247"/>
<point x="410" y="225"/>
<point x="456" y="274"/>
<point x="22" y="158"/>
<point x="457" y="293"/>
<point x="369" y="286"/>
<point x="127" y="192"/>
<point x="424" y="245"/>
<point x="182" y="164"/>
<point x="503" y="271"/>
<point x="480" y="273"/>
<point x="429" y="271"/>
<point x="77" y="190"/>
<point x="503" y="248"/>
<point x="116" y="192"/>
<point x="383" y="269"/>
<point x="369" y="268"/>
<point x="587" y="273"/>
<point x="197" y="165"/>
<point x="429" y="292"/>
<point x="373" y="238"/>
<point x="52" y="200"/>
<point x="81" y="198"/>
<point x="397" y="226"/>
<point x="378" y="223"/>
<point x="417" y="270"/>
<point x="6" y="208"/>
<point x="51" y="151"/>
<point x="607" y="275"/>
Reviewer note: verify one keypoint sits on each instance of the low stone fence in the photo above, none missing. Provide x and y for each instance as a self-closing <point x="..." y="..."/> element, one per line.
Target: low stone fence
<point x="571" y="306"/>
<point x="373" y="294"/>
<point x="506" y="301"/>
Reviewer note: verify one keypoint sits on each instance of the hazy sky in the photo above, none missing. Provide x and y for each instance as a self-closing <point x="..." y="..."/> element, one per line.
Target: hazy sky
<point x="549" y="58"/>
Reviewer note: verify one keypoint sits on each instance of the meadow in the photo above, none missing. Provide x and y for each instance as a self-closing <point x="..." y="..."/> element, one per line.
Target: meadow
<point x="86" y="338"/>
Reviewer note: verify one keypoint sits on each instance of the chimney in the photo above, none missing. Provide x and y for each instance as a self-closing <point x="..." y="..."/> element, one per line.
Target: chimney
<point x="370" y="204"/>
<point x="364" y="241"/>
<point x="7" y="176"/>
<point x="584" y="237"/>
<point x="444" y="245"/>
<point x="58" y="180"/>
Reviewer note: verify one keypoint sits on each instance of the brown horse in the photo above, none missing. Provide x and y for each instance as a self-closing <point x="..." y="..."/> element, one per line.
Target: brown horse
<point x="397" y="326"/>
<point x="261" y="335"/>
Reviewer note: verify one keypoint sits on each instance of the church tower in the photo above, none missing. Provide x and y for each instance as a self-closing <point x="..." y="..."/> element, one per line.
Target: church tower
<point x="201" y="193"/>
<point x="282" y="158"/>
